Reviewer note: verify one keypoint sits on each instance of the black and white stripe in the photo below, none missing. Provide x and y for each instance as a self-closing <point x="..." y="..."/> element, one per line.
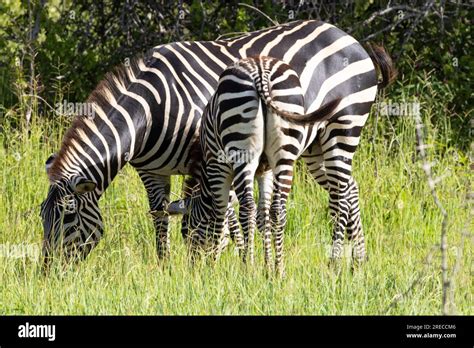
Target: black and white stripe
<point x="148" y="114"/>
<point x="254" y="122"/>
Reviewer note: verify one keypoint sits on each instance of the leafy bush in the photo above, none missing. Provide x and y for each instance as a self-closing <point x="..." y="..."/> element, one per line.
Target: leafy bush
<point x="69" y="46"/>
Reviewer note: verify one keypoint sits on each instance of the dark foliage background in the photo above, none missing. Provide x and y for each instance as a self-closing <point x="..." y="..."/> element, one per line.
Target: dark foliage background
<point x="61" y="49"/>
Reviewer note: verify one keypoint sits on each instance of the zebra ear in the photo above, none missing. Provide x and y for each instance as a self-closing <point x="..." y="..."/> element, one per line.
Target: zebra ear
<point x="177" y="207"/>
<point x="83" y="185"/>
<point x="49" y="162"/>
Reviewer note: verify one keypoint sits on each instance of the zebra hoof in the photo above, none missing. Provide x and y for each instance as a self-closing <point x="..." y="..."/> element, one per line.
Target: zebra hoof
<point x="335" y="263"/>
<point x="281" y="273"/>
<point x="358" y="262"/>
<point x="268" y="272"/>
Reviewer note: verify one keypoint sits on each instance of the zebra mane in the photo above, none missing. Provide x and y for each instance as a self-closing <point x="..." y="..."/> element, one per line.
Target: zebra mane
<point x="100" y="96"/>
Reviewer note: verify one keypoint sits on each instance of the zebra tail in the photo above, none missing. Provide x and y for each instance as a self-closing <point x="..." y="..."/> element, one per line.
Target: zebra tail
<point x="383" y="63"/>
<point x="324" y="113"/>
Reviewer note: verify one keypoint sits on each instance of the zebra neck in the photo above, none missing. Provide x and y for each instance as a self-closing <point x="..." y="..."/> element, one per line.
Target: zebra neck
<point x="110" y="156"/>
<point x="96" y="149"/>
<point x="111" y="131"/>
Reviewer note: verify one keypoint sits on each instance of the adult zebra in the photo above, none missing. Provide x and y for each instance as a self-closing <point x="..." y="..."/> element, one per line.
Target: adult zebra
<point x="148" y="114"/>
<point x="254" y="122"/>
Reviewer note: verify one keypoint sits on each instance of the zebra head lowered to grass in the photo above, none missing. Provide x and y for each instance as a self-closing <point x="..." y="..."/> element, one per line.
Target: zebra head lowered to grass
<point x="255" y="120"/>
<point x="71" y="217"/>
<point x="147" y="113"/>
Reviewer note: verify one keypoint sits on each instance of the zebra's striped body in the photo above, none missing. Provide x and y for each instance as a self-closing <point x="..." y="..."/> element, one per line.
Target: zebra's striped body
<point x="148" y="114"/>
<point x="254" y="120"/>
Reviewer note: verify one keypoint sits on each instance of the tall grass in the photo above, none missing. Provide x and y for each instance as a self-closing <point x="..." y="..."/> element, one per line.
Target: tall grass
<point x="121" y="276"/>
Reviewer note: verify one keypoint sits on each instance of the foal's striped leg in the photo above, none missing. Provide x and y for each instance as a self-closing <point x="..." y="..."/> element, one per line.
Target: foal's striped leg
<point x="282" y="186"/>
<point x="265" y="186"/>
<point x="234" y="229"/>
<point x="243" y="182"/>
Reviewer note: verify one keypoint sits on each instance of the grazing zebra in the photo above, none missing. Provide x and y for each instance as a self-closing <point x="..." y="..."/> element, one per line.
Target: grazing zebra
<point x="147" y="113"/>
<point x="255" y="119"/>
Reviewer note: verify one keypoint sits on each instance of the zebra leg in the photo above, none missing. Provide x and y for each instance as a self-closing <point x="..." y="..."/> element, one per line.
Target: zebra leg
<point x="158" y="191"/>
<point x="354" y="225"/>
<point x="314" y="158"/>
<point x="339" y="207"/>
<point x="338" y="195"/>
<point x="247" y="208"/>
<point x="234" y="229"/>
<point x="219" y="185"/>
<point x="282" y="186"/>
<point x="265" y="185"/>
<point x="335" y="175"/>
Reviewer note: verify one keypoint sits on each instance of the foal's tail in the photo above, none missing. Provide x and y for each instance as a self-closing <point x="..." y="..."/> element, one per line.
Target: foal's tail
<point x="324" y="113"/>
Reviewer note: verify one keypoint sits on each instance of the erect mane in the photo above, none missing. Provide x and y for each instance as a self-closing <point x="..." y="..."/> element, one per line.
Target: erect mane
<point x="100" y="96"/>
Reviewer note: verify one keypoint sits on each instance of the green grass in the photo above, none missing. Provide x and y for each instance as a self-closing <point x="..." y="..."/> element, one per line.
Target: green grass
<point x="122" y="276"/>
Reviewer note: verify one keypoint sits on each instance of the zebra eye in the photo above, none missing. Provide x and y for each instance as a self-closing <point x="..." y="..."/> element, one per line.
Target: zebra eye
<point x="69" y="204"/>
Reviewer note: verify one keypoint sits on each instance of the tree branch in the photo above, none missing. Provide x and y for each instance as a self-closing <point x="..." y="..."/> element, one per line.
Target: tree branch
<point x="259" y="11"/>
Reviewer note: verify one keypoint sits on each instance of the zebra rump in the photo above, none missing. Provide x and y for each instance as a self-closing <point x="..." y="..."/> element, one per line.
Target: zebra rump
<point x="248" y="113"/>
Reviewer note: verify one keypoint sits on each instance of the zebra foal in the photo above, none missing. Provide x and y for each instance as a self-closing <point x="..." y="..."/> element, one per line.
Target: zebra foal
<point x="254" y="122"/>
